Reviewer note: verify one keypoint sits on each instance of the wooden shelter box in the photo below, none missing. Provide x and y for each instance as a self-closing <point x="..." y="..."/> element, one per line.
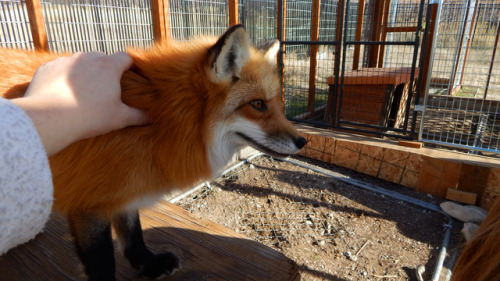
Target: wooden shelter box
<point x="375" y="96"/>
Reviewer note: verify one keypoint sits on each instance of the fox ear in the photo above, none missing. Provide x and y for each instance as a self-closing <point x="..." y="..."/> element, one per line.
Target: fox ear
<point x="270" y="50"/>
<point x="228" y="56"/>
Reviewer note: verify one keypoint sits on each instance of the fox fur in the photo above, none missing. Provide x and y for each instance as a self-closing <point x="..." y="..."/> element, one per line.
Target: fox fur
<point x="480" y="259"/>
<point x="206" y="99"/>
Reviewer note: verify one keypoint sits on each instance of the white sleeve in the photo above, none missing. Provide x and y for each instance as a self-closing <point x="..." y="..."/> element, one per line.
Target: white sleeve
<point x="26" y="189"/>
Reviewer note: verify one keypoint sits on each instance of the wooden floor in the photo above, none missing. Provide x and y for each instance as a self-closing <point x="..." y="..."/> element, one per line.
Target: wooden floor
<point x="208" y="252"/>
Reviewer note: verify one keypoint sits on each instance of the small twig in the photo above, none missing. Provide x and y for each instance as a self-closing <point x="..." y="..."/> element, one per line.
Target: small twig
<point x="362" y="247"/>
<point x="385" y="276"/>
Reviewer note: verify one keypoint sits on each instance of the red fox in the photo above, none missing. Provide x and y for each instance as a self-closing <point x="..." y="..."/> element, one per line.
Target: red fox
<point x="479" y="260"/>
<point x="206" y="98"/>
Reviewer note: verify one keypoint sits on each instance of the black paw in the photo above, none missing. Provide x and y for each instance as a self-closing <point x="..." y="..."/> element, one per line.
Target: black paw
<point x="159" y="265"/>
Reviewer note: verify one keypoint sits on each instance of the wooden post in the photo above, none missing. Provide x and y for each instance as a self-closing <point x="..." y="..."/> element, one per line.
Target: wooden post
<point x="383" y="36"/>
<point x="233" y="12"/>
<point x="280" y="32"/>
<point x="333" y="96"/>
<point x="314" y="54"/>
<point x="340" y="11"/>
<point x="476" y="6"/>
<point x="359" y="29"/>
<point x="451" y="83"/>
<point x="376" y="32"/>
<point x="37" y="25"/>
<point x="492" y="61"/>
<point x="161" y="21"/>
<point x="428" y="50"/>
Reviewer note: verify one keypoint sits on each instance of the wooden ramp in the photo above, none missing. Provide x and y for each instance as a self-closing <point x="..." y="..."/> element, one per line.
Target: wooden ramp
<point x="208" y="251"/>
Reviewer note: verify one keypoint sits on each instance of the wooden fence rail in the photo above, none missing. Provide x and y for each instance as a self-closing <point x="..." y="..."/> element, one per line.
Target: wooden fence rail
<point x="159" y="13"/>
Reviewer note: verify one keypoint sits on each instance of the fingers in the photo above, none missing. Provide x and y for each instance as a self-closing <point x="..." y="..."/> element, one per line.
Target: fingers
<point x="122" y="60"/>
<point x="134" y="117"/>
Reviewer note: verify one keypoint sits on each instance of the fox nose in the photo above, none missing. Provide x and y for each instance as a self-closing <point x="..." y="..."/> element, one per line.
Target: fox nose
<point x="300" y="142"/>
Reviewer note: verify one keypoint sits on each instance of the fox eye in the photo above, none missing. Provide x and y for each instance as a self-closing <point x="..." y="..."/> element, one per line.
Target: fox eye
<point x="258" y="105"/>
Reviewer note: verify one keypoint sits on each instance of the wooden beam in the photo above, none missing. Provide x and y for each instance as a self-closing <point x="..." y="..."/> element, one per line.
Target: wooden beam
<point x="37" y="25"/>
<point x="233" y="12"/>
<point x="476" y="6"/>
<point x="401" y="29"/>
<point x="428" y="49"/>
<point x="461" y="196"/>
<point x="492" y="61"/>
<point x="314" y="55"/>
<point x="334" y="88"/>
<point x="383" y="36"/>
<point x="161" y="21"/>
<point x="459" y="53"/>
<point x="340" y="11"/>
<point x="413" y="144"/>
<point x="359" y="29"/>
<point x="281" y="33"/>
<point x="376" y="32"/>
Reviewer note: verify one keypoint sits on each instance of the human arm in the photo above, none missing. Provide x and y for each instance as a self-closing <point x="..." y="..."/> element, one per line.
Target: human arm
<point x="26" y="191"/>
<point x="77" y="97"/>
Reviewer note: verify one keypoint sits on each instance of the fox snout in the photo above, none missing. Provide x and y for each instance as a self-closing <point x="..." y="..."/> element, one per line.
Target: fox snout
<point x="300" y="142"/>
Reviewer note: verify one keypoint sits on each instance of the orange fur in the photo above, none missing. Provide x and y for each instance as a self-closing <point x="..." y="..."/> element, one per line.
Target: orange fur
<point x="170" y="82"/>
<point x="480" y="260"/>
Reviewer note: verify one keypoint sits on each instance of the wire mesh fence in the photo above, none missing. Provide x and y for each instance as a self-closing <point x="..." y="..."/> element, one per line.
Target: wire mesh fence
<point x="349" y="42"/>
<point x="465" y="61"/>
<point x="465" y="123"/>
<point x="259" y="18"/>
<point x="462" y="109"/>
<point x="297" y="61"/>
<point x="14" y="25"/>
<point x="92" y="25"/>
<point x="191" y="18"/>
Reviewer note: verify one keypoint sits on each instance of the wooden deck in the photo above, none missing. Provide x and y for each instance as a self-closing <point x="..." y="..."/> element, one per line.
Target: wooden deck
<point x="208" y="252"/>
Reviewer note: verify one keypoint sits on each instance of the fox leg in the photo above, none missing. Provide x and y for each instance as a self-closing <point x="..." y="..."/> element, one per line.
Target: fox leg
<point x="128" y="228"/>
<point x="94" y="245"/>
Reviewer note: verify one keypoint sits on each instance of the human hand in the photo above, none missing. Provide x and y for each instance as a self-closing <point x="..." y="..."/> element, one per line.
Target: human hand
<point x="77" y="97"/>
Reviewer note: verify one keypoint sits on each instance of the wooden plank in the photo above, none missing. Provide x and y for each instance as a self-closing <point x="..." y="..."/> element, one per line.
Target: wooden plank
<point x="400" y="103"/>
<point x="281" y="33"/>
<point x="469" y="40"/>
<point x="161" y="21"/>
<point x="439" y="80"/>
<point x="37" y="25"/>
<point x="383" y="36"/>
<point x="333" y="97"/>
<point x="459" y="51"/>
<point x="401" y="29"/>
<point x="314" y="55"/>
<point x="461" y="196"/>
<point x="233" y="12"/>
<point x="375" y="76"/>
<point x="413" y="144"/>
<point x="455" y="90"/>
<point x="368" y="104"/>
<point x="428" y="49"/>
<point x="376" y="32"/>
<point x="208" y="251"/>
<point x="359" y="29"/>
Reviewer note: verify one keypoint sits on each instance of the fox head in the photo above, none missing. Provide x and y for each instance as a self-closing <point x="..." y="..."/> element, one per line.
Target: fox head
<point x="211" y="97"/>
<point x="252" y="113"/>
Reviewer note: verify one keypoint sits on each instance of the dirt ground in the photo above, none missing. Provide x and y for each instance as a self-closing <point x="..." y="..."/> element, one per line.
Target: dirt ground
<point x="332" y="230"/>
